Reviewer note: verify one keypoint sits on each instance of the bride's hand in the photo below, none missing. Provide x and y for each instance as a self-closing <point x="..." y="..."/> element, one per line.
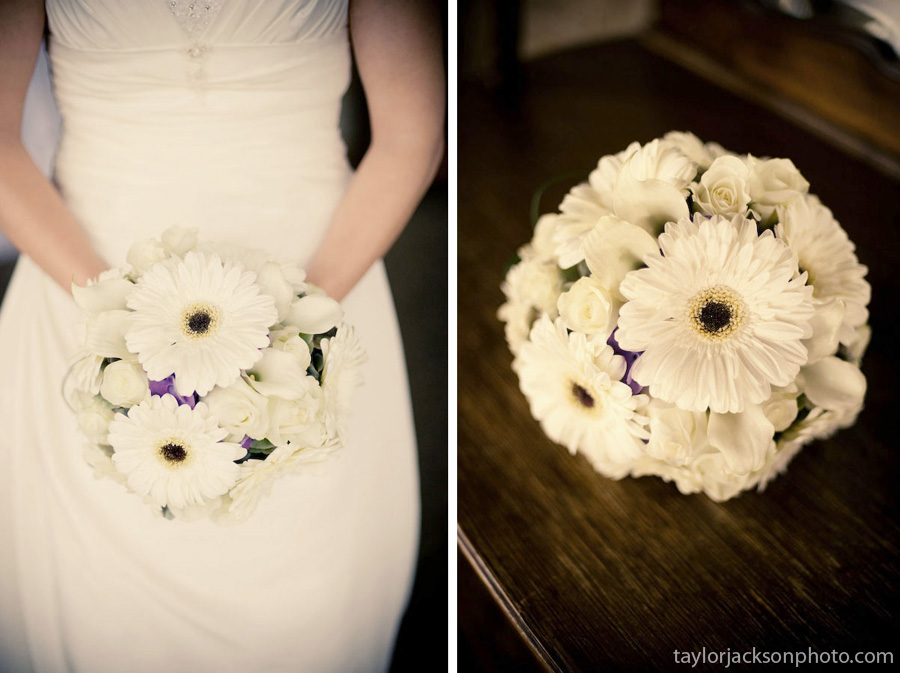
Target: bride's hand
<point x="397" y="45"/>
<point x="32" y="213"/>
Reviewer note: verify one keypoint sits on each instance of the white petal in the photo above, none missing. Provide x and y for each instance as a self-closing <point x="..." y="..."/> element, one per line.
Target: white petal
<point x="742" y="438"/>
<point x="315" y="314"/>
<point x="179" y="240"/>
<point x="826" y="325"/>
<point x="614" y="248"/>
<point x="833" y="384"/>
<point x="648" y="203"/>
<point x="278" y="373"/>
<point x="106" y="334"/>
<point x="107" y="295"/>
<point x="271" y="277"/>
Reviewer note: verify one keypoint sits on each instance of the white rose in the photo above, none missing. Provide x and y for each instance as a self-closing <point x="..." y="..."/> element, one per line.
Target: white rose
<point x="299" y="421"/>
<point x="124" y="384"/>
<point x="314" y="313"/>
<point x="588" y="307"/>
<point x="723" y="188"/>
<point x="94" y="414"/>
<point x="240" y="410"/>
<point x="289" y="341"/>
<point x="145" y="253"/>
<point x="179" y="240"/>
<point x="773" y="182"/>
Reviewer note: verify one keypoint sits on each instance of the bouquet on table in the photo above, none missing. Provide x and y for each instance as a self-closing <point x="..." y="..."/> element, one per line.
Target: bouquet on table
<point x="206" y="371"/>
<point x="690" y="314"/>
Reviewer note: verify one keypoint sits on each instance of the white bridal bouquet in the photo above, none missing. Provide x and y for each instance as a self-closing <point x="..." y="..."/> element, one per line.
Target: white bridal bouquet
<point x="691" y="314"/>
<point x="206" y="371"/>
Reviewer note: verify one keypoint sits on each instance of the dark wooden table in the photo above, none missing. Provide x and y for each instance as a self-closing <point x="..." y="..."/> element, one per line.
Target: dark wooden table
<point x="589" y="573"/>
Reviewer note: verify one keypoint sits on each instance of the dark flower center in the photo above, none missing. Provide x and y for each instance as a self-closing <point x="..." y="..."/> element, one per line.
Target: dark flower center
<point x="714" y="317"/>
<point x="198" y="323"/>
<point x="174" y="453"/>
<point x="582" y="396"/>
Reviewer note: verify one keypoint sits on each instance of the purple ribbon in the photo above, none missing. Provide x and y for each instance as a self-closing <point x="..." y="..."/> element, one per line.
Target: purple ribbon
<point x="630" y="358"/>
<point x="167" y="387"/>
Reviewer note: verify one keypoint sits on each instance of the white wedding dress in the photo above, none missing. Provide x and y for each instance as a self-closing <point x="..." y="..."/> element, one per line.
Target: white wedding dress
<point x="227" y="121"/>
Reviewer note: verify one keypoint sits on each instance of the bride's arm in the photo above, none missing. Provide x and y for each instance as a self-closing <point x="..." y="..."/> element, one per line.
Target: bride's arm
<point x="397" y="45"/>
<point x="32" y="213"/>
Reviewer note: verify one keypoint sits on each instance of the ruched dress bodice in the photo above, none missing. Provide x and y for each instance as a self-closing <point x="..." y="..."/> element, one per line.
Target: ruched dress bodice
<point x="226" y="126"/>
<point x="228" y="122"/>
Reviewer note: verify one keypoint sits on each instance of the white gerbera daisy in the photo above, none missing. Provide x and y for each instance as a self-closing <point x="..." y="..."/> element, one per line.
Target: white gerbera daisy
<point x="532" y="288"/>
<point x="574" y="386"/>
<point x="200" y="318"/>
<point x="719" y="315"/>
<point x="517" y="317"/>
<point x="258" y="476"/>
<point x="342" y="374"/>
<point x="827" y="254"/>
<point x="172" y="453"/>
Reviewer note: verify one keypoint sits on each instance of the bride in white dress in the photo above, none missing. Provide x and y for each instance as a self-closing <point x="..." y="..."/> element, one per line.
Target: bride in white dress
<point x="220" y="114"/>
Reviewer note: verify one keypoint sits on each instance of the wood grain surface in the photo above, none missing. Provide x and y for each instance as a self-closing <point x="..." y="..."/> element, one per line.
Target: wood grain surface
<point x="836" y="72"/>
<point x="594" y="573"/>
